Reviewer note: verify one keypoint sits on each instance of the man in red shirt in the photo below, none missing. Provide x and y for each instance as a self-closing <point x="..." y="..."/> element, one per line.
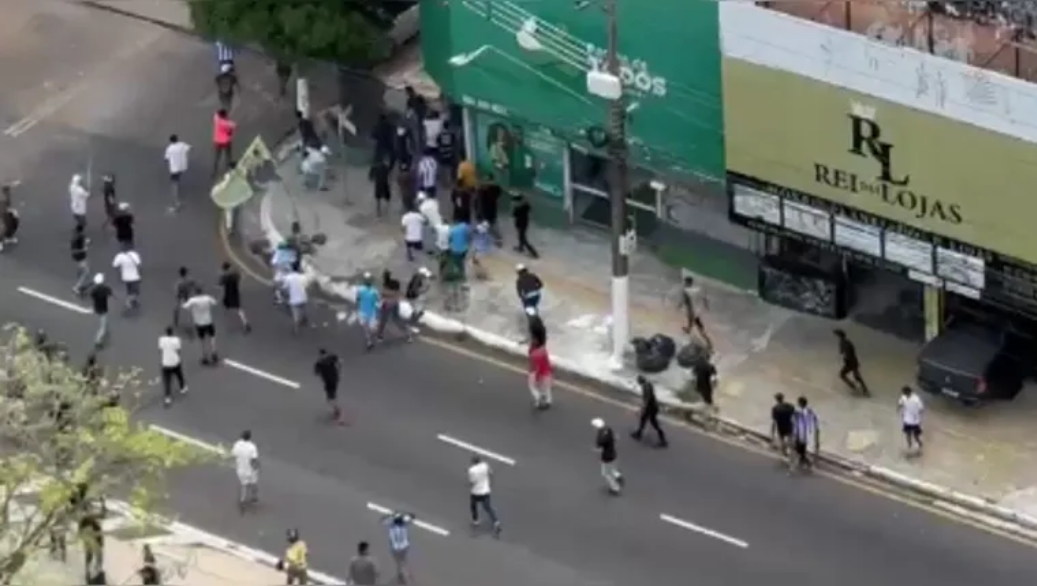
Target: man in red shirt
<point x="222" y="138"/>
<point x="540" y="375"/>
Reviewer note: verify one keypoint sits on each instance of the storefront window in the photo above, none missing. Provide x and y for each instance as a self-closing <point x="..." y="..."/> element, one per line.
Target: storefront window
<point x="519" y="156"/>
<point x="591" y="174"/>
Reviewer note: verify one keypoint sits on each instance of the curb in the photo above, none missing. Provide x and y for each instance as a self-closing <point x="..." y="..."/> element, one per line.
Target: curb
<point x="990" y="512"/>
<point x="104" y="7"/>
<point x="193" y="536"/>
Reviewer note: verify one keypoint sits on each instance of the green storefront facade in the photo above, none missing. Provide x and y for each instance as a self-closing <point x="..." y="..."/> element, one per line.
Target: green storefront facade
<point x="519" y="67"/>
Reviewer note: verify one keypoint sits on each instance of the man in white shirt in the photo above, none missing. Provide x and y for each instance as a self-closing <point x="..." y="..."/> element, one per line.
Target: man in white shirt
<point x="169" y="347"/>
<point x="911" y="408"/>
<point x="479" y="474"/>
<point x="201" y="306"/>
<point x="413" y="223"/>
<point x="78" y="195"/>
<point x="246" y="464"/>
<point x="176" y="158"/>
<point x="432" y="126"/>
<point x="428" y="207"/>
<point x="295" y="285"/>
<point x="128" y="263"/>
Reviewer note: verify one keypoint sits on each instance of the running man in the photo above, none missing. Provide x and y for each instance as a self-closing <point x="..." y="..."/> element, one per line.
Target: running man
<point x="230" y="282"/>
<point x="246" y="463"/>
<point x="606" y="445"/>
<point x="328" y="369"/>
<point x="128" y="263"/>
<point x="176" y="158"/>
<point x="100" y="295"/>
<point x="201" y="305"/>
<point x="296" y="559"/>
<point x="185" y="287"/>
<point x="806" y="431"/>
<point x="368" y="303"/>
<point x="169" y="347"/>
<point x="79" y="246"/>
<point x="78" y="195"/>
<point x="479" y="475"/>
<point x="295" y="285"/>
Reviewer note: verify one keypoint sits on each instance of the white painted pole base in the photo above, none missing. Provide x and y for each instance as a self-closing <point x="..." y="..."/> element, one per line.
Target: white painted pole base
<point x="302" y="96"/>
<point x="620" y="320"/>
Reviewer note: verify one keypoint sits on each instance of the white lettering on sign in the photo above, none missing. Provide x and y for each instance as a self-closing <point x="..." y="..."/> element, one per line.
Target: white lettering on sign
<point x="634" y="73"/>
<point x="982" y="98"/>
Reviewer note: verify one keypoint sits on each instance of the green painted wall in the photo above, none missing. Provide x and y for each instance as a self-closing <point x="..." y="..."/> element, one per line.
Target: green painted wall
<point x="671" y="66"/>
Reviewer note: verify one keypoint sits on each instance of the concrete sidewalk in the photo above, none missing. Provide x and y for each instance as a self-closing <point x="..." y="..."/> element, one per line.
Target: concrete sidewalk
<point x="762" y="349"/>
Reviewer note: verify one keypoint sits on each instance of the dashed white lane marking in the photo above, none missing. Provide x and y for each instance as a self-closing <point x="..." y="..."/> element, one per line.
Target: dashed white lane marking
<point x="475" y="449"/>
<point x="704" y="531"/>
<point x="417" y="522"/>
<point x="54" y="301"/>
<point x="200" y="444"/>
<point x="262" y="374"/>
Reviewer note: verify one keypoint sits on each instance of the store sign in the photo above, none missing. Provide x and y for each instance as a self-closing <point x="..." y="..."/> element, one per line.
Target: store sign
<point x="927" y="172"/>
<point x="635" y="74"/>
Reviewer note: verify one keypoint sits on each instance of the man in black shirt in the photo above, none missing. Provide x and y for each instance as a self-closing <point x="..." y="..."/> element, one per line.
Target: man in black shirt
<point x="782" y="416"/>
<point x="226" y="83"/>
<point x="328" y="370"/>
<point x="230" y="282"/>
<point x="487" y="200"/>
<point x="111" y="204"/>
<point x="446" y="147"/>
<point x="183" y="290"/>
<point x="123" y="224"/>
<point x="78" y="247"/>
<point x="100" y="295"/>
<point x="606" y="444"/>
<point x="705" y="383"/>
<point x="649" y="412"/>
<point x="520" y="213"/>
<point x="851" y="366"/>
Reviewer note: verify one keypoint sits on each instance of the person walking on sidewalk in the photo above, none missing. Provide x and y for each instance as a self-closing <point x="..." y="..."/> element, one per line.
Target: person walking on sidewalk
<point x="363" y="569"/>
<point x="176" y="158"/>
<point x="226" y="84"/>
<point x="128" y="262"/>
<point x="170" y="348"/>
<point x="649" y="412"/>
<point x="201" y="306"/>
<point x="487" y="201"/>
<point x="705" y="375"/>
<point x="368" y="303"/>
<point x="911" y="407"/>
<point x="529" y="287"/>
<point x="246" y="464"/>
<point x="78" y="195"/>
<point x="379" y="176"/>
<point x="230" y="283"/>
<point x="694" y="304"/>
<point x="428" y="173"/>
<point x="413" y="225"/>
<point x="111" y="201"/>
<point x="783" y="416"/>
<point x="521" y="211"/>
<point x="295" y="563"/>
<point x="79" y="245"/>
<point x="407" y="186"/>
<point x="807" y="432"/>
<point x="605" y="442"/>
<point x="223" y="141"/>
<point x="183" y="290"/>
<point x="479" y="480"/>
<point x="328" y="369"/>
<point x="429" y="209"/>
<point x="399" y="543"/>
<point x="100" y="295"/>
<point x="851" y="364"/>
<point x="540" y="375"/>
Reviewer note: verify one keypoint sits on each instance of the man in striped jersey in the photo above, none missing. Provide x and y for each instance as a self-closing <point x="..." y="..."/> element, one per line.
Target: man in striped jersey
<point x="428" y="173"/>
<point x="399" y="543"/>
<point x="806" y="431"/>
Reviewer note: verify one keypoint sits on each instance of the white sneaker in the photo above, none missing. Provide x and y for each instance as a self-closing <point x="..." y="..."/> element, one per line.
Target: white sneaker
<point x="183" y="391"/>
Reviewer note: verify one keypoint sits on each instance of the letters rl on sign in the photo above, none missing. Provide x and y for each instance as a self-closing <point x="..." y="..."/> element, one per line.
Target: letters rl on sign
<point x="892" y="189"/>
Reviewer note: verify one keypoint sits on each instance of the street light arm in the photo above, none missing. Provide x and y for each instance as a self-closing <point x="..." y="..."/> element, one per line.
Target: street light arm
<point x="467" y="58"/>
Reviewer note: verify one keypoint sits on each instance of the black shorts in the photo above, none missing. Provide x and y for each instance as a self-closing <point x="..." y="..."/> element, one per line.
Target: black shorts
<point x="849" y="368"/>
<point x="132" y="287"/>
<point x="707" y="395"/>
<point x="801" y="450"/>
<point x="231" y="302"/>
<point x="207" y="331"/>
<point x="913" y="430"/>
<point x="331" y="389"/>
<point x="416" y="246"/>
<point x="175" y="177"/>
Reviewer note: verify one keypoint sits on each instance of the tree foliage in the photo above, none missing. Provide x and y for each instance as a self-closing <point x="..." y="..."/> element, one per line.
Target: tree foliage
<point x="66" y="432"/>
<point x="349" y="32"/>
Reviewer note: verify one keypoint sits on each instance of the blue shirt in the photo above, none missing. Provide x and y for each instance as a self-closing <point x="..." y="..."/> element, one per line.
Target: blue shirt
<point x="367" y="299"/>
<point x="458" y="237"/>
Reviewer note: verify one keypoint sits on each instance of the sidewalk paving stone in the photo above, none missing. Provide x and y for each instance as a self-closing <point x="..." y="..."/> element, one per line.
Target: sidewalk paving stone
<point x="762" y="349"/>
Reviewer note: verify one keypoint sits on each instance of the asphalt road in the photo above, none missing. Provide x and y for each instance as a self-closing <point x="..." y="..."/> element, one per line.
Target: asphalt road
<point x="740" y="519"/>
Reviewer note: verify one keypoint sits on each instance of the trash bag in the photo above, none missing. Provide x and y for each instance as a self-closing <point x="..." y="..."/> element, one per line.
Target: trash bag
<point x="641" y="346"/>
<point x="652" y="362"/>
<point x="691" y="354"/>
<point x="664" y="345"/>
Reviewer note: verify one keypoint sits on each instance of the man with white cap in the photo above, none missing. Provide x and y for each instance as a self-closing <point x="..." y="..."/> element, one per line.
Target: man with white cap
<point x="100" y="294"/>
<point x="428" y="207"/>
<point x="78" y="195"/>
<point x="605" y="442"/>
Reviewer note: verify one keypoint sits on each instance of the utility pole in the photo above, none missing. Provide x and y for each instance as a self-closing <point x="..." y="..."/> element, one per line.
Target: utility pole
<point x="617" y="151"/>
